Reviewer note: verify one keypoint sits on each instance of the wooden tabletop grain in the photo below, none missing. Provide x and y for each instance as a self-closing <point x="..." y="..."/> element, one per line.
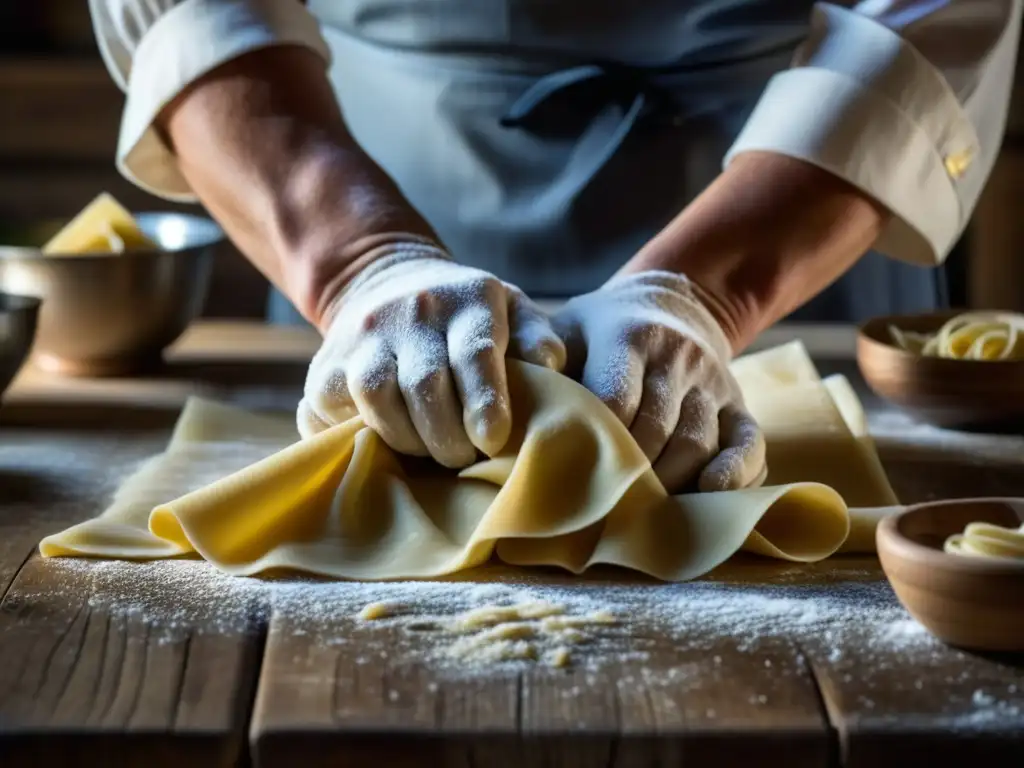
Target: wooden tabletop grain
<point x="129" y="667"/>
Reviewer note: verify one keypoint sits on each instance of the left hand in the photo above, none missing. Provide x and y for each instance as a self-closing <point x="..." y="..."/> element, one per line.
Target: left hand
<point x="653" y="353"/>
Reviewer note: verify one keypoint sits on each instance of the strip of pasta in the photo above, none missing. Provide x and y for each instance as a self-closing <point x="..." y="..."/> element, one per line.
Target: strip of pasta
<point x="969" y="336"/>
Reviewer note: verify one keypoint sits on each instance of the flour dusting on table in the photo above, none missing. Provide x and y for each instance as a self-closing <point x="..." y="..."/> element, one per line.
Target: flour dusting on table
<point x="853" y="626"/>
<point x="900" y="430"/>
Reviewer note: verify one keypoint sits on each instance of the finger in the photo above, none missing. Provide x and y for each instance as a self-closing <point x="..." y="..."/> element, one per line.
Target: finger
<point x="307" y="420"/>
<point x="327" y="392"/>
<point x="570" y="332"/>
<point x="477" y="340"/>
<point x="429" y="394"/>
<point x="373" y="382"/>
<point x="693" y="442"/>
<point x="327" y="400"/>
<point x="614" y="372"/>
<point x="741" y="462"/>
<point x="532" y="337"/>
<point x="658" y="414"/>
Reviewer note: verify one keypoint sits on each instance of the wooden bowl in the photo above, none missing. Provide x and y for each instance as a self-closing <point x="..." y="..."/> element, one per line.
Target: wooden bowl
<point x="966" y="394"/>
<point x="969" y="602"/>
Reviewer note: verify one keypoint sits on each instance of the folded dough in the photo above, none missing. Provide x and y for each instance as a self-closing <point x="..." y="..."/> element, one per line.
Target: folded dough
<point x="571" y="489"/>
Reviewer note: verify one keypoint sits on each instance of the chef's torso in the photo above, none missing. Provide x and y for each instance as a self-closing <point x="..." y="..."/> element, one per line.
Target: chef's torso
<point x="557" y="202"/>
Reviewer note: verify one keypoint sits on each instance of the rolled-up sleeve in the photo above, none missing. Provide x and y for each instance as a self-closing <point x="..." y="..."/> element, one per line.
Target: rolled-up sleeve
<point x="905" y="99"/>
<point x="155" y="48"/>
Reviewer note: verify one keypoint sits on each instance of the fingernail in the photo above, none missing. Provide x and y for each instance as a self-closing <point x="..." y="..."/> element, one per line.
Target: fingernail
<point x="548" y="355"/>
<point x="489" y="429"/>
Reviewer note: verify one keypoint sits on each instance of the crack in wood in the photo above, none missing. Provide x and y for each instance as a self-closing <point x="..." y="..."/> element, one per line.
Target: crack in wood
<point x="520" y="690"/>
<point x="253" y="665"/>
<point x="141" y="681"/>
<point x="616" y="738"/>
<point x="44" y="677"/>
<point x="97" y="713"/>
<point x="837" y="742"/>
<point x="77" y="657"/>
<point x="179" y="684"/>
<point x="120" y="658"/>
<point x="16" y="573"/>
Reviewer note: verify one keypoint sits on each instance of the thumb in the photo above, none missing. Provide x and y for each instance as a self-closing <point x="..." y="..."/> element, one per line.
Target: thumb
<point x="531" y="337"/>
<point x="741" y="462"/>
<point x="308" y="421"/>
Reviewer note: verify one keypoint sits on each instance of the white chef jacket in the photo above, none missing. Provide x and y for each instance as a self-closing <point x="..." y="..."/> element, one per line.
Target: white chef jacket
<point x="905" y="99"/>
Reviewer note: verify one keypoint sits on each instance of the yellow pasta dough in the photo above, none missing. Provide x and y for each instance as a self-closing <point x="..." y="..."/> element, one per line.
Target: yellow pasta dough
<point x="571" y="489"/>
<point x="969" y="336"/>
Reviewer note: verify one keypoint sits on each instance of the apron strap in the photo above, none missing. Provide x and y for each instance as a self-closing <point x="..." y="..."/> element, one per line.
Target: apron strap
<point x="588" y="89"/>
<point x="610" y="100"/>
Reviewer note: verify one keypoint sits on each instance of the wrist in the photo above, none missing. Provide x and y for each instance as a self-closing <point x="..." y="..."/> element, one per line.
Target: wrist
<point x="333" y="217"/>
<point x="380" y="254"/>
<point x="262" y="142"/>
<point x="699" y="310"/>
<point x="765" y="237"/>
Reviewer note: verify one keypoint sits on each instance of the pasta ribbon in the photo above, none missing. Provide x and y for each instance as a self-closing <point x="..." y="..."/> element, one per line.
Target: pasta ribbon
<point x="969" y="336"/>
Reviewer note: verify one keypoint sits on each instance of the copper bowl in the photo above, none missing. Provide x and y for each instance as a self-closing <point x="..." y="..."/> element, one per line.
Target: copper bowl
<point x="109" y="314"/>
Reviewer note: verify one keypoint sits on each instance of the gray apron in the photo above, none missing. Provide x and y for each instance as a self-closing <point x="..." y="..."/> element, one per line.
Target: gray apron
<point x="547" y="140"/>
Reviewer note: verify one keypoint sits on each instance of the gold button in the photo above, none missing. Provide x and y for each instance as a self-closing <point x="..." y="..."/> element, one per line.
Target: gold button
<point x="958" y="162"/>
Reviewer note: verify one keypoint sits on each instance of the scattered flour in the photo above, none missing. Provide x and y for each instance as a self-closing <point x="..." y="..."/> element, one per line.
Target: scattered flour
<point x="679" y="635"/>
<point x="685" y="637"/>
<point x="900" y="430"/>
<point x="494" y="633"/>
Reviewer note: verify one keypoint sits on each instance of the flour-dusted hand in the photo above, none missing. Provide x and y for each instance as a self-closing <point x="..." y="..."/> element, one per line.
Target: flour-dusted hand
<point x="416" y="345"/>
<point x="648" y="347"/>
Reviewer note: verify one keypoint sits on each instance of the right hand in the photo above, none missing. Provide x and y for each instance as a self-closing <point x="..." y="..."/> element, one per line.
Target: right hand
<point x="416" y="345"/>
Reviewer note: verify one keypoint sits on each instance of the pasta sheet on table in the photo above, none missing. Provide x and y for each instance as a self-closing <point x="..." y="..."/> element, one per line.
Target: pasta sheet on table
<point x="571" y="489"/>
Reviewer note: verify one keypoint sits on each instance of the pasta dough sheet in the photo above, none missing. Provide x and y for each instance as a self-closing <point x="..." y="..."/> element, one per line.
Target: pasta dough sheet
<point x="571" y="489"/>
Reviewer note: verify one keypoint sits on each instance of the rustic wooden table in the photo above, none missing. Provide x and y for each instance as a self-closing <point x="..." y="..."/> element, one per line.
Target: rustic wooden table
<point x="171" y="664"/>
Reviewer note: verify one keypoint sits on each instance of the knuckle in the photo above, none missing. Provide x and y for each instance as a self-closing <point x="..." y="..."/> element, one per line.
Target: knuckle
<point x="373" y="381"/>
<point x="491" y="289"/>
<point x="370" y="322"/>
<point x="425" y="383"/>
<point x="424" y="303"/>
<point x="476" y="353"/>
<point x="658" y="426"/>
<point x="329" y="391"/>
<point x="639" y="334"/>
<point x="486" y="401"/>
<point x="696" y="436"/>
<point x="491" y="415"/>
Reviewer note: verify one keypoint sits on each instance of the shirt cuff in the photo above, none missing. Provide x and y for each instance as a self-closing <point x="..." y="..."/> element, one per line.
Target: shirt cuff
<point x="185" y="43"/>
<point x="864" y="105"/>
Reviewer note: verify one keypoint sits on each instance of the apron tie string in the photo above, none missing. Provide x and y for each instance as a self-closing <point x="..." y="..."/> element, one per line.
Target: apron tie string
<point x="596" y="106"/>
<point x="583" y="92"/>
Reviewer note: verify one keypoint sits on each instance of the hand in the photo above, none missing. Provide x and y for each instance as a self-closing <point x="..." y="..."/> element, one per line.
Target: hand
<point x="416" y="345"/>
<point x="647" y="346"/>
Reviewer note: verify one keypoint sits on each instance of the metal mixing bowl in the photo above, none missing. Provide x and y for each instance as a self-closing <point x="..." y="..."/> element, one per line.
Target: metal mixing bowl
<point x="18" y="320"/>
<point x="110" y="314"/>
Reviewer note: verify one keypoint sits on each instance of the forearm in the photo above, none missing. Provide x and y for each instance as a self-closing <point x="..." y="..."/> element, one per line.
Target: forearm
<point x="262" y="142"/>
<point x="768" y="235"/>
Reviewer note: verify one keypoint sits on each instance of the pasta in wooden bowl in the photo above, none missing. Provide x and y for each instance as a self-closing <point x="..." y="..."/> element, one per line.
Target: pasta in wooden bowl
<point x="968" y="600"/>
<point x="953" y="369"/>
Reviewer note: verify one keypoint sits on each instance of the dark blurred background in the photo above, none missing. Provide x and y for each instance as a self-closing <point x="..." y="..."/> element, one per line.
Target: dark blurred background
<point x="59" y="115"/>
